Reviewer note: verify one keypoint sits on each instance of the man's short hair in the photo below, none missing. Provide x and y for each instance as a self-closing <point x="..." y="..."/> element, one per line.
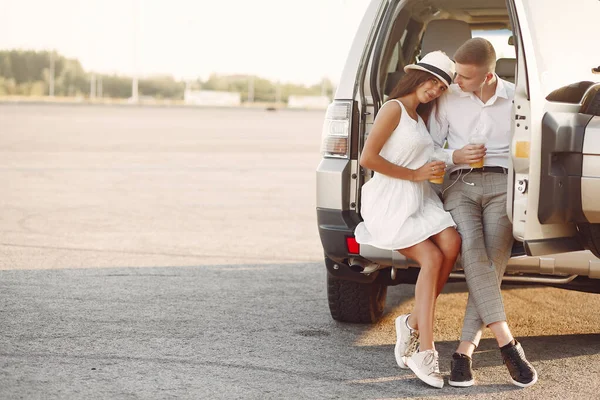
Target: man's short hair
<point x="477" y="51"/>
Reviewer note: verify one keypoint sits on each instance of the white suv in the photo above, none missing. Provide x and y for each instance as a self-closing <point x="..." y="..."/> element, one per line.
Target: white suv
<point x="554" y="179"/>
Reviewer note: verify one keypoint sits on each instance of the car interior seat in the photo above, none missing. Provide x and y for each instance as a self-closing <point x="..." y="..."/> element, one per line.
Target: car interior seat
<point x="446" y="35"/>
<point x="505" y="68"/>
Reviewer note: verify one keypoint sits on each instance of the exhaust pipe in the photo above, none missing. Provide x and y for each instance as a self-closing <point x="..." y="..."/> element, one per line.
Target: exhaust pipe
<point x="356" y="265"/>
<point x="363" y="266"/>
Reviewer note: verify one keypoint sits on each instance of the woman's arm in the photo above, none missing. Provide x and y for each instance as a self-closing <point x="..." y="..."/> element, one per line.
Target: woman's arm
<point x="439" y="127"/>
<point x="386" y="121"/>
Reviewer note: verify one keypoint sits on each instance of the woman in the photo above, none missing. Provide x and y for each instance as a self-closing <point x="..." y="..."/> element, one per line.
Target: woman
<point x="402" y="212"/>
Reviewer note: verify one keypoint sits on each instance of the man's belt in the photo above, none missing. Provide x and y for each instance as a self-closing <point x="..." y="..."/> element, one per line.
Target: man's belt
<point x="498" y="170"/>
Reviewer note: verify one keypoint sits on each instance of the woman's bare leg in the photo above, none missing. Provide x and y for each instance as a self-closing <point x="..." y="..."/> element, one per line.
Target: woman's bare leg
<point x="430" y="258"/>
<point x="448" y="242"/>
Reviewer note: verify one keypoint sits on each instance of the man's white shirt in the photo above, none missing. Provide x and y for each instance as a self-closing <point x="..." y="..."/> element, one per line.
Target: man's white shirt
<point x="460" y="114"/>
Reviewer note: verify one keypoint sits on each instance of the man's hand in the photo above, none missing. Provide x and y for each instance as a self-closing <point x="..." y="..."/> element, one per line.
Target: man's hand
<point x="469" y="154"/>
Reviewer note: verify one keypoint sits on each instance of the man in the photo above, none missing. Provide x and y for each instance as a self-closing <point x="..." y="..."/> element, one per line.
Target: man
<point x="474" y="118"/>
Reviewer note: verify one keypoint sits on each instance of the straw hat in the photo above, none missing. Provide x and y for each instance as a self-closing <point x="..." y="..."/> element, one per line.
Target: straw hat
<point x="436" y="63"/>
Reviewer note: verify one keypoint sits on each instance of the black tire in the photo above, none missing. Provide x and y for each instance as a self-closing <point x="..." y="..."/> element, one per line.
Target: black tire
<point x="590" y="236"/>
<point x="355" y="302"/>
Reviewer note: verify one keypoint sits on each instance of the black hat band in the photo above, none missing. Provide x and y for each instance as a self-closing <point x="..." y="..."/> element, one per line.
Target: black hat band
<point x="437" y="71"/>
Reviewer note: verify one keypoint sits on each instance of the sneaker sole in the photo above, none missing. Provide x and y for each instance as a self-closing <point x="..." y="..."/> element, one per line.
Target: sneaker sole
<point x="462" y="383"/>
<point x="524" y="385"/>
<point x="399" y="357"/>
<point x="425" y="378"/>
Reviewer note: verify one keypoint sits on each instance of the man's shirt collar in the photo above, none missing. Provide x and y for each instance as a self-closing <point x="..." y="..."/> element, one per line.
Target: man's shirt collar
<point x="500" y="90"/>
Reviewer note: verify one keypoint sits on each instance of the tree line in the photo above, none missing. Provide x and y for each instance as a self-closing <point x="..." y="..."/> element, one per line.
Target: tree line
<point x="28" y="73"/>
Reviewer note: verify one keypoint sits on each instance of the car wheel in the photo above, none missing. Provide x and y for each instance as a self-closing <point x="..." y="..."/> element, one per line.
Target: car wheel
<point x="355" y="302"/>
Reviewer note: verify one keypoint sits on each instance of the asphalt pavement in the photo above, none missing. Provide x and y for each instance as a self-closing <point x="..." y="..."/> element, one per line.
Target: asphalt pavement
<point x="155" y="252"/>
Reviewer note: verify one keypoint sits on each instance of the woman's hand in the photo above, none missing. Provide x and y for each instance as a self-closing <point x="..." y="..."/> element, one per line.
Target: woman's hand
<point x="431" y="170"/>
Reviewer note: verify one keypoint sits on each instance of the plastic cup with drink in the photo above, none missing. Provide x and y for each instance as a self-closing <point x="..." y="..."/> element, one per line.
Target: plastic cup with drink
<point x="438" y="155"/>
<point x="477" y="138"/>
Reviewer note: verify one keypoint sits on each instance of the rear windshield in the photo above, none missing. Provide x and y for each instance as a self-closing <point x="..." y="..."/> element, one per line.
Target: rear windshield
<point x="565" y="41"/>
<point x="499" y="39"/>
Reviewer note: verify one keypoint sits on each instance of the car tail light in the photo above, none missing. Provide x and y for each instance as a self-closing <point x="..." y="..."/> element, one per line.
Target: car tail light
<point x="336" y="130"/>
<point x="352" y="245"/>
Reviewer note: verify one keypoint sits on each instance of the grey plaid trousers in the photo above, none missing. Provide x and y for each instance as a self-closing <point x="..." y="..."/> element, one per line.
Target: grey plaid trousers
<point x="479" y="212"/>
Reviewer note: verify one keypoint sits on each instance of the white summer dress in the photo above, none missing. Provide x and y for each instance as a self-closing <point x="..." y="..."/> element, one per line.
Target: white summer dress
<point x="398" y="213"/>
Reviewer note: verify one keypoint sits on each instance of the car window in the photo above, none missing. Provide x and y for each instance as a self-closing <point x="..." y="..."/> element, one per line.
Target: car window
<point x="392" y="66"/>
<point x="499" y="39"/>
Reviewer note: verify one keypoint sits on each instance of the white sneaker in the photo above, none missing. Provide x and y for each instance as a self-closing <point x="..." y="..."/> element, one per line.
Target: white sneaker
<point x="425" y="365"/>
<point x="407" y="341"/>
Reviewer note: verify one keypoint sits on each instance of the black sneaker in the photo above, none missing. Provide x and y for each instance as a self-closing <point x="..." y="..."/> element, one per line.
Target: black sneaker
<point x="461" y="371"/>
<point x="521" y="371"/>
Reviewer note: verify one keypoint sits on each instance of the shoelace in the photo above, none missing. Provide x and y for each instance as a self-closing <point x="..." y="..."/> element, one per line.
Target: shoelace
<point x="517" y="358"/>
<point x="436" y="366"/>
<point x="520" y="366"/>
<point x="461" y="365"/>
<point x="432" y="359"/>
<point x="413" y="342"/>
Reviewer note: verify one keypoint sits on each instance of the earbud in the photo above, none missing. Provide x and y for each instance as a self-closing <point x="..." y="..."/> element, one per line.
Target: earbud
<point x="463" y="178"/>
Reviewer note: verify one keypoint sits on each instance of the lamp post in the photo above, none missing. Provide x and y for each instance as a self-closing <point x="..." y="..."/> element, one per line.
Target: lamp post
<point x="52" y="73"/>
<point x="93" y="86"/>
<point x="251" y="90"/>
<point x="134" y="81"/>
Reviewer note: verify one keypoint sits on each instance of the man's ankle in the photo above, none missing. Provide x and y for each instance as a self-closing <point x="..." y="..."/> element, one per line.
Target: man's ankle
<point x="502" y="333"/>
<point x="512" y="343"/>
<point x="466" y="348"/>
<point x="461" y="355"/>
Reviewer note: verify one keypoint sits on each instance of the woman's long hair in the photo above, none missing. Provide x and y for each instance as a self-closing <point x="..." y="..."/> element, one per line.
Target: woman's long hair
<point x="408" y="84"/>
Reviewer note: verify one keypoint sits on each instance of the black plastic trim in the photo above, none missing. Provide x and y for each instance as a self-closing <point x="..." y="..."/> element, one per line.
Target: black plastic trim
<point x="571" y="94"/>
<point x="383" y="276"/>
<point x="552" y="246"/>
<point x="561" y="166"/>
<point x="590" y="103"/>
<point x="334" y="227"/>
<point x="354" y="131"/>
<point x="518" y="249"/>
<point x="342" y="271"/>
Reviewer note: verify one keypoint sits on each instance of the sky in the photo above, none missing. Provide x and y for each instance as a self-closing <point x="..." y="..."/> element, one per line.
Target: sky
<point x="299" y="42"/>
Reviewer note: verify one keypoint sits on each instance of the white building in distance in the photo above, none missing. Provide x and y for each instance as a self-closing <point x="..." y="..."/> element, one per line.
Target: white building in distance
<point x="308" y="102"/>
<point x="212" y="98"/>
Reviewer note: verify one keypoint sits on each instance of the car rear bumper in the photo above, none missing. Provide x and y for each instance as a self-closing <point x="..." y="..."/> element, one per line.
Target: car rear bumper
<point x="334" y="227"/>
